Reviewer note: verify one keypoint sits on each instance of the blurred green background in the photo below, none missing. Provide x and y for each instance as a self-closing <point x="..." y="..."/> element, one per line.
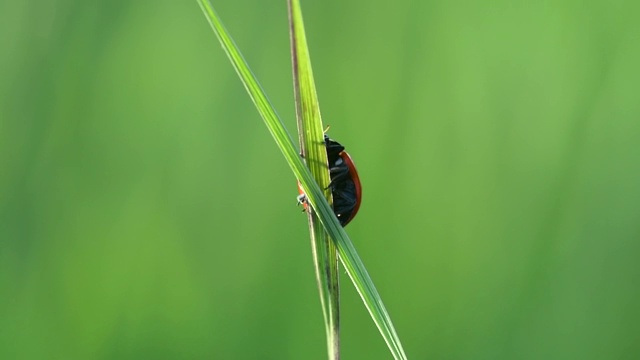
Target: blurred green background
<point x="146" y="213"/>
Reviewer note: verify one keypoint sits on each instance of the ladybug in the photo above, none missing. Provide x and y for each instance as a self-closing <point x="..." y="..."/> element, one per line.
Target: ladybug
<point x="345" y="182"/>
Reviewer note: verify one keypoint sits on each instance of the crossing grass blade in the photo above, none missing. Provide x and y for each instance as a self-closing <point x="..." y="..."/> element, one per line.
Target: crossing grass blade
<point x="315" y="195"/>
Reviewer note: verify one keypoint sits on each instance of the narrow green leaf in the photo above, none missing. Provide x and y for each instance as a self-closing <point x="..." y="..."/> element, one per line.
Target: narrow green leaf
<point x="312" y="147"/>
<point x="315" y="196"/>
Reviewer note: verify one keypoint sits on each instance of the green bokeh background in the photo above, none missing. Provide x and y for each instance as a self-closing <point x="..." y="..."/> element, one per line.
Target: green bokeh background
<point x="146" y="213"/>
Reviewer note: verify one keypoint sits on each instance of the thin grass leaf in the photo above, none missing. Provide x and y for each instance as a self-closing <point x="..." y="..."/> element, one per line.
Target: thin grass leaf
<point x="312" y="147"/>
<point x="315" y="196"/>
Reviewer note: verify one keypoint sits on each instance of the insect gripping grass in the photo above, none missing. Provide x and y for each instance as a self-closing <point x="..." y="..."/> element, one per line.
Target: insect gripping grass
<point x="345" y="182"/>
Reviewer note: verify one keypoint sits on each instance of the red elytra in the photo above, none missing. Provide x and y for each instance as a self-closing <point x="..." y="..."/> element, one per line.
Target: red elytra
<point x="345" y="183"/>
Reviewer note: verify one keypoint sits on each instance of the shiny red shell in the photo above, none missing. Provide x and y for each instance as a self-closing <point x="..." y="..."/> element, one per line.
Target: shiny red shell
<point x="345" y="182"/>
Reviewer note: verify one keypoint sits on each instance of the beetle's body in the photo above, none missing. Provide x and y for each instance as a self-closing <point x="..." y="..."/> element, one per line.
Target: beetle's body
<point x="345" y="182"/>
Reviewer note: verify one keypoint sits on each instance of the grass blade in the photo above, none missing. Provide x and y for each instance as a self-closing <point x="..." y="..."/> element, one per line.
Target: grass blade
<point x="312" y="147"/>
<point x="315" y="196"/>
